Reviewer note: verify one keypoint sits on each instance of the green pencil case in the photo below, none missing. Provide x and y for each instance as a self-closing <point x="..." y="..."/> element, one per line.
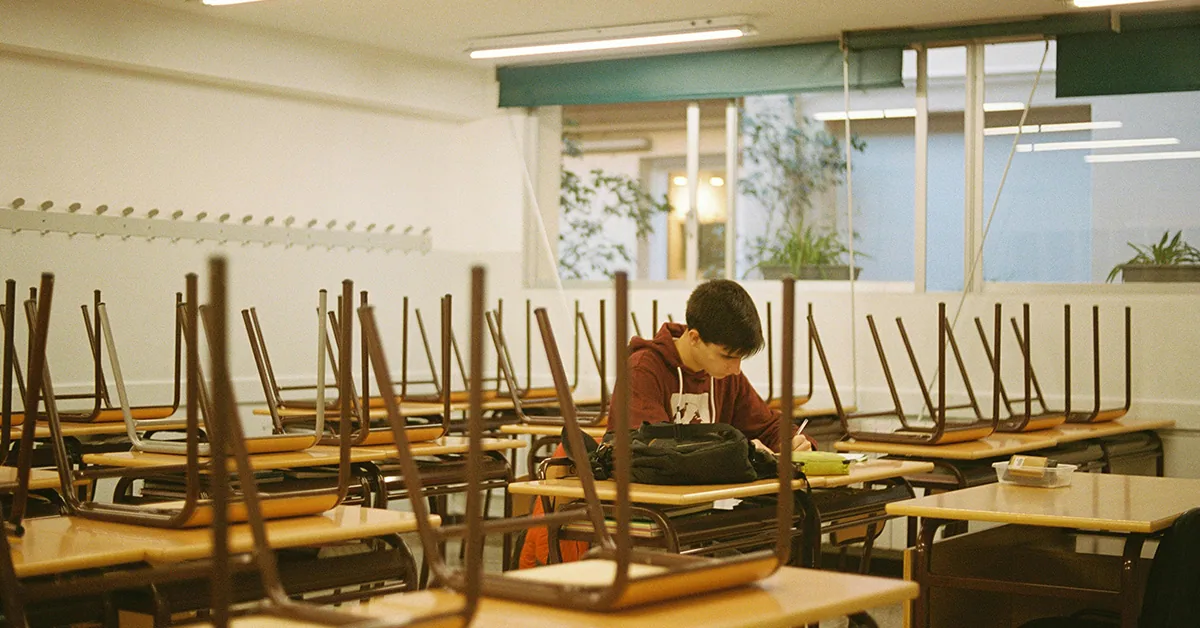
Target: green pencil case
<point x="821" y="463"/>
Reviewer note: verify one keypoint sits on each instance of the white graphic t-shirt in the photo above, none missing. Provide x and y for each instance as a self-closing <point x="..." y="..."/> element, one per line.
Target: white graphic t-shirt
<point x="692" y="407"/>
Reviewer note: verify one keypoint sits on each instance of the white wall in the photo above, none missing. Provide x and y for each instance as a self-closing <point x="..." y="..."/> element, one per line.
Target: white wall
<point x="127" y="105"/>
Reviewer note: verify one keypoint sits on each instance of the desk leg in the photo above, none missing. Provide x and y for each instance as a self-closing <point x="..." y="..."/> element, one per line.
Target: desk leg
<point x="1129" y="590"/>
<point x="922" y="565"/>
<point x="810" y="536"/>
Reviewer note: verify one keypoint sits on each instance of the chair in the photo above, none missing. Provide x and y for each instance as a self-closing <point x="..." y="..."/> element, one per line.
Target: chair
<point x="1025" y="421"/>
<point x="279" y="441"/>
<point x="1097" y="414"/>
<point x="368" y="432"/>
<point x="615" y="575"/>
<point x="942" y="431"/>
<point x="1172" y="596"/>
<point x="228" y="438"/>
<point x="799" y="399"/>
<point x="194" y="510"/>
<point x="593" y="419"/>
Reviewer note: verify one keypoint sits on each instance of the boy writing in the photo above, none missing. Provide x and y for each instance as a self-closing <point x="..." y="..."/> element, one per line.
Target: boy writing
<point x="693" y="373"/>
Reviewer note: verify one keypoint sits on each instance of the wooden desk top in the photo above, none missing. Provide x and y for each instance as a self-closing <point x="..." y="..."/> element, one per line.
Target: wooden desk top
<point x="315" y="456"/>
<point x="1070" y="432"/>
<point x="667" y="495"/>
<point x="50" y="546"/>
<point x="547" y="430"/>
<point x="61" y="544"/>
<point x="92" y="429"/>
<point x="421" y="408"/>
<point x="993" y="446"/>
<point x="39" y="479"/>
<point x="790" y="597"/>
<point x="1093" y="501"/>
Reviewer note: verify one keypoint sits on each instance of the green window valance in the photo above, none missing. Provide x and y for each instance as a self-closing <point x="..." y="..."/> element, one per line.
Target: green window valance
<point x="717" y="74"/>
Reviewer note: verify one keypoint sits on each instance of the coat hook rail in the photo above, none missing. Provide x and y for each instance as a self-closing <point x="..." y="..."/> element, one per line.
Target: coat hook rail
<point x="19" y="216"/>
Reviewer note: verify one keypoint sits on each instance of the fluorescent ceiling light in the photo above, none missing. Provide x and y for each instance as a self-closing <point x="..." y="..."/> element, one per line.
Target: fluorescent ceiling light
<point x="1010" y="130"/>
<point x="906" y="112"/>
<point x="1052" y="128"/>
<point x="1108" y="159"/>
<point x="221" y="3"/>
<point x="1081" y="126"/>
<point x="1087" y="4"/>
<point x="611" y="38"/>
<point x="1091" y="144"/>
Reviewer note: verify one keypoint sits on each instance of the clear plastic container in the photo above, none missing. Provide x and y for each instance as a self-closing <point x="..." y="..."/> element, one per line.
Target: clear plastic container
<point x="1052" y="478"/>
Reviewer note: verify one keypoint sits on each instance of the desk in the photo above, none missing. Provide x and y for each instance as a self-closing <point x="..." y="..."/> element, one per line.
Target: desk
<point x="1070" y="432"/>
<point x="734" y="531"/>
<point x="93" y="429"/>
<point x="994" y="446"/>
<point x="39" y="480"/>
<point x="790" y="597"/>
<point x="315" y="456"/>
<point x="666" y="495"/>
<point x="63" y="546"/>
<point x="424" y="408"/>
<point x="1134" y="506"/>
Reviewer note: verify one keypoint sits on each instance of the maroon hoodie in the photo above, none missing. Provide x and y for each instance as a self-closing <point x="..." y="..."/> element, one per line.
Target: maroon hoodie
<point x="657" y="393"/>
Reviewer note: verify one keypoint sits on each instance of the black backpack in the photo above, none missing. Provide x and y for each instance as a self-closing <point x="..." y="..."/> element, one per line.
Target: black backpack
<point x="673" y="453"/>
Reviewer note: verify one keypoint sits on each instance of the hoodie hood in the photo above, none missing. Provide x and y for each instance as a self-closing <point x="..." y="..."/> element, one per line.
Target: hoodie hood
<point x="663" y="344"/>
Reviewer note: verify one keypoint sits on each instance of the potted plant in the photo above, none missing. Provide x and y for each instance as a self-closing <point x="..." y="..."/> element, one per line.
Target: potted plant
<point x="789" y="163"/>
<point x="1170" y="259"/>
<point x="587" y="202"/>
<point x="804" y="253"/>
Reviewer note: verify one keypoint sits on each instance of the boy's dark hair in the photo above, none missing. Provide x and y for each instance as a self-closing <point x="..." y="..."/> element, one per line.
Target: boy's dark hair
<point x="723" y="313"/>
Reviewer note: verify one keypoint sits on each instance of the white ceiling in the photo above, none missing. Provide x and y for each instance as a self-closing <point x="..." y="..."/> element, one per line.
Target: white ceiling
<point x="442" y="29"/>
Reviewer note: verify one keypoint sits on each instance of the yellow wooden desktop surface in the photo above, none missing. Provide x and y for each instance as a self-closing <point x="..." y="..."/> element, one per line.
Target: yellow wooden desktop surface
<point x="38" y="479"/>
<point x="318" y="455"/>
<point x="421" y="408"/>
<point x="1093" y="501"/>
<point x="548" y="430"/>
<point x="92" y="429"/>
<point x="1070" y="432"/>
<point x="687" y="495"/>
<point x="60" y="544"/>
<point x="790" y="597"/>
<point x="50" y="545"/>
<point x="992" y="446"/>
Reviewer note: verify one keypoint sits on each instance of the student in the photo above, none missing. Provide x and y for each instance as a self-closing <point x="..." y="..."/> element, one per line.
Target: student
<point x="693" y="373"/>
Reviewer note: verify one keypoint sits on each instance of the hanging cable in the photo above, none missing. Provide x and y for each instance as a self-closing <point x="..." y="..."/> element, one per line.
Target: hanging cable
<point x="977" y="258"/>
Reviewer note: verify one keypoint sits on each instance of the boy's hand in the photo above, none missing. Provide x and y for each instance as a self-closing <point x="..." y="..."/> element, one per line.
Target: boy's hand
<point x="801" y="443"/>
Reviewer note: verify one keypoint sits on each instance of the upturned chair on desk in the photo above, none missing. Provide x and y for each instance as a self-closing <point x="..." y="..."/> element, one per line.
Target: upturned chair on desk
<point x="278" y="441"/>
<point x="800" y="399"/>
<point x="366" y="431"/>
<point x="614" y="575"/>
<point x="943" y="430"/>
<point x="102" y="409"/>
<point x="194" y="510"/>
<point x="229" y="438"/>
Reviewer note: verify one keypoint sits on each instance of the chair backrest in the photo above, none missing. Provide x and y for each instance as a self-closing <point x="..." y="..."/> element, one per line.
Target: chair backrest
<point x="1172" y="598"/>
<point x="229" y="439"/>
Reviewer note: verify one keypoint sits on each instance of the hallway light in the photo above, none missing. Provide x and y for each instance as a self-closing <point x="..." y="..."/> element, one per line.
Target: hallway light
<point x="611" y="38"/>
<point x="1092" y="144"/>
<point x="1089" y="4"/>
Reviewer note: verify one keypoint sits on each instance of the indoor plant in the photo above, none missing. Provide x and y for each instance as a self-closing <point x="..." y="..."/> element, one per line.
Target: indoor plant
<point x="587" y="202"/>
<point x="789" y="163"/>
<point x="1170" y="259"/>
